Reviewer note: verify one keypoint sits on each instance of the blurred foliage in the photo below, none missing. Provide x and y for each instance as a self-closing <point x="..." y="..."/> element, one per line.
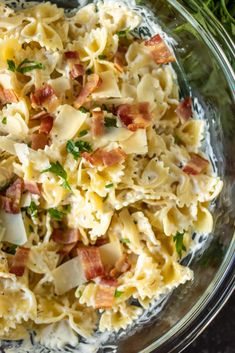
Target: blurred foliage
<point x="224" y="10"/>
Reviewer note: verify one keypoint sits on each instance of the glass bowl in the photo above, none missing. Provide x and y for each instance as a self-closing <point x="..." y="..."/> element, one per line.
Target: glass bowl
<point x="205" y="56"/>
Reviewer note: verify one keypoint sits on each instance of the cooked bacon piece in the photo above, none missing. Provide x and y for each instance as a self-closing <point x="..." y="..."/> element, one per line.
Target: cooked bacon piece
<point x="93" y="81"/>
<point x="11" y="201"/>
<point x="32" y="187"/>
<point x="7" y="96"/>
<point x="44" y="97"/>
<point x="184" y="109"/>
<point x="103" y="157"/>
<point x="134" y="116"/>
<point x="121" y="266"/>
<point x="195" y="165"/>
<point x="159" y="50"/>
<point x="19" y="261"/>
<point x="91" y="262"/>
<point x="97" y="125"/>
<point x="108" y="281"/>
<point x="77" y="70"/>
<point x="65" y="236"/>
<point x="119" y="59"/>
<point x="104" y="298"/>
<point x="6" y="204"/>
<point x="46" y="124"/>
<point x="39" y="141"/>
<point x="74" y="55"/>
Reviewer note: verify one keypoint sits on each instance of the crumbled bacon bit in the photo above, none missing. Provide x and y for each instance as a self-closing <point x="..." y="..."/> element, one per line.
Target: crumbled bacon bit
<point x="19" y="261"/>
<point x="7" y="96"/>
<point x="159" y="50"/>
<point x="46" y="124"/>
<point x="74" y="55"/>
<point x="11" y="201"/>
<point x="39" y="141"/>
<point x="65" y="236"/>
<point x="91" y="262"/>
<point x="39" y="115"/>
<point x="44" y="97"/>
<point x="184" y="109"/>
<point x="196" y="165"/>
<point x="121" y="266"/>
<point x="77" y="70"/>
<point x="93" y="82"/>
<point x="103" y="157"/>
<point x="32" y="187"/>
<point x="108" y="281"/>
<point x="134" y="116"/>
<point x="104" y="298"/>
<point x="97" y="125"/>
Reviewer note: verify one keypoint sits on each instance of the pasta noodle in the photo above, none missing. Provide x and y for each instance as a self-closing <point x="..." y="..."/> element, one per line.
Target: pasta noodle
<point x="103" y="180"/>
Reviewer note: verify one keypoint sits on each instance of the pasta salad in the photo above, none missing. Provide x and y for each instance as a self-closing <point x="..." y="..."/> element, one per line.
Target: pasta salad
<point x="103" y="181"/>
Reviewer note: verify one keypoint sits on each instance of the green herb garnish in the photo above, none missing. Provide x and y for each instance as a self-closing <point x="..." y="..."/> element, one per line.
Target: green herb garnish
<point x="56" y="214"/>
<point x="125" y="241"/>
<point x="179" y="243"/>
<point x="177" y="139"/>
<point x="108" y="186"/>
<point x="25" y="66"/>
<point x="102" y="57"/>
<point x="83" y="133"/>
<point x="75" y="148"/>
<point x="123" y="34"/>
<point x="117" y="293"/>
<point x="4" y="120"/>
<point x="11" y="249"/>
<point x="32" y="209"/>
<point x="110" y="122"/>
<point x="83" y="110"/>
<point x="57" y="169"/>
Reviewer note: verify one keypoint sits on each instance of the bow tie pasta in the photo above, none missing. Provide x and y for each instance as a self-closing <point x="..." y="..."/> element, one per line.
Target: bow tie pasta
<point x="103" y="180"/>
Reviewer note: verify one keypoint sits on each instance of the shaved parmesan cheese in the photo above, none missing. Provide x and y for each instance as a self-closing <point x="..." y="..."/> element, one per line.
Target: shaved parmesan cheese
<point x="15" y="231"/>
<point x="68" y="276"/>
<point x="6" y="144"/>
<point x="68" y="122"/>
<point x="60" y="85"/>
<point x="110" y="253"/>
<point x="108" y="87"/>
<point x="22" y="152"/>
<point x="114" y="135"/>
<point x="137" y="143"/>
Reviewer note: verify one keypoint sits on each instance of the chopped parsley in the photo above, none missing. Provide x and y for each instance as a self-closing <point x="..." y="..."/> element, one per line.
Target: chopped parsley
<point x="123" y="34"/>
<point x="83" y="110"/>
<point x="125" y="241"/>
<point x="75" y="148"/>
<point x="56" y="214"/>
<point x="32" y="209"/>
<point x="83" y="133"/>
<point x="117" y="293"/>
<point x="11" y="249"/>
<point x="108" y="186"/>
<point x="110" y="122"/>
<point x="179" y="243"/>
<point x="57" y="169"/>
<point x="4" y="120"/>
<point x="102" y="57"/>
<point x="25" y="66"/>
